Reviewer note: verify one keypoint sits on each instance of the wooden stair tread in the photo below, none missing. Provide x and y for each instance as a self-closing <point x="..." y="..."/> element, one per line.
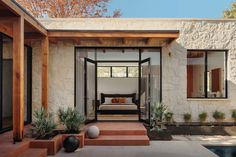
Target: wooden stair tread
<point x="121" y="140"/>
<point x="34" y="152"/>
<point x="12" y="150"/>
<point x="120" y="137"/>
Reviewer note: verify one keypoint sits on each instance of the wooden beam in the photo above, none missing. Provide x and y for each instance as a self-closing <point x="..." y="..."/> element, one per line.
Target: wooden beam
<point x="18" y="10"/>
<point x="7" y="19"/>
<point x="113" y="34"/>
<point x="45" y="60"/>
<point x="18" y="79"/>
<point x="6" y="29"/>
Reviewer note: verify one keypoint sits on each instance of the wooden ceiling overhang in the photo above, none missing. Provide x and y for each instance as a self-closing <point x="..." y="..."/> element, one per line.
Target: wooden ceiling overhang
<point x="10" y="11"/>
<point x="123" y="36"/>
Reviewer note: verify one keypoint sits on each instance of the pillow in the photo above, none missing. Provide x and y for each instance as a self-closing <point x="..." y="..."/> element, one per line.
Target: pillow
<point x="122" y="100"/>
<point x="115" y="100"/>
<point x="108" y="100"/>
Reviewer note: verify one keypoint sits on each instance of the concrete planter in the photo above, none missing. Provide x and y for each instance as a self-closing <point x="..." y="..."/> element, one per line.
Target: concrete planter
<point x="53" y="145"/>
<point x="80" y="136"/>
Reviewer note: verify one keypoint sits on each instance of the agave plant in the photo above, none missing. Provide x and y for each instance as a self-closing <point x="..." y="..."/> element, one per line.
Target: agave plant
<point x="71" y="119"/>
<point x="44" y="124"/>
<point x="158" y="111"/>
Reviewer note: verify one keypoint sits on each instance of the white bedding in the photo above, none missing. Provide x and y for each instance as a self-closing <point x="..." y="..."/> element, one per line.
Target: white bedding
<point x="125" y="106"/>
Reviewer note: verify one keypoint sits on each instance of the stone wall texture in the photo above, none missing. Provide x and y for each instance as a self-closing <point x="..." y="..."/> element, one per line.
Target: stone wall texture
<point x="194" y="34"/>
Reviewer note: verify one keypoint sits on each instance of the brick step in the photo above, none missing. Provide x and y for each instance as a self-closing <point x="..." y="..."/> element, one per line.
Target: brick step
<point x="122" y="140"/>
<point x="34" y="152"/>
<point x="123" y="132"/>
<point x="13" y="150"/>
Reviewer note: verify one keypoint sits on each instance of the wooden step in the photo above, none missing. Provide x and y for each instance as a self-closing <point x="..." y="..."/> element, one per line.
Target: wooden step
<point x="123" y="132"/>
<point x="121" y="140"/>
<point x="34" y="152"/>
<point x="13" y="150"/>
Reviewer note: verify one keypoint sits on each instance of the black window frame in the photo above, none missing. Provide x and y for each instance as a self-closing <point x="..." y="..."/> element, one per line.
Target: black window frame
<point x="205" y="51"/>
<point x="111" y="71"/>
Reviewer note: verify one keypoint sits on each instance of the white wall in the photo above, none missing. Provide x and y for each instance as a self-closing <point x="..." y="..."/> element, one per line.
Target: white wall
<point x="117" y="86"/>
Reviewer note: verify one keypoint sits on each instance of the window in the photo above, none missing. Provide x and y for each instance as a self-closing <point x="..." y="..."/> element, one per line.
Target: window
<point x="133" y="72"/>
<point x="104" y="71"/>
<point x="206" y="74"/>
<point x="117" y="71"/>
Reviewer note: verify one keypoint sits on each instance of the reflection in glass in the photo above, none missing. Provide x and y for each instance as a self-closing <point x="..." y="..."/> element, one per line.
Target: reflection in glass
<point x="195" y="74"/>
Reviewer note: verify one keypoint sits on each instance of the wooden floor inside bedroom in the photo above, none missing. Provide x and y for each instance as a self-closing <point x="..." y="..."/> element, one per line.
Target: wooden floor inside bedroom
<point x="118" y="117"/>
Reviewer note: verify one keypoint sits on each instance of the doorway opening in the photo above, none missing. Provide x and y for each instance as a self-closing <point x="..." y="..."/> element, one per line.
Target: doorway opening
<point x="117" y="84"/>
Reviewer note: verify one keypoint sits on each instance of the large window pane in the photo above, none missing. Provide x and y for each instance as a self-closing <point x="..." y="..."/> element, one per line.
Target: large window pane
<point x="206" y="74"/>
<point x="118" y="71"/>
<point x="195" y="74"/>
<point x="216" y="74"/>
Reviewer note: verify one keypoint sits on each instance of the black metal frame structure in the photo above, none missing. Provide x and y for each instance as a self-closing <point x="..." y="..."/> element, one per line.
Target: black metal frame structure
<point x="139" y="48"/>
<point x="206" y="69"/>
<point x="29" y="84"/>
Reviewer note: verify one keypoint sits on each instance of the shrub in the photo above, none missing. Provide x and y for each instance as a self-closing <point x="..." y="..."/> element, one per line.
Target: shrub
<point x="187" y="117"/>
<point x="169" y="116"/>
<point x="202" y="117"/>
<point x="44" y="124"/>
<point x="234" y="115"/>
<point x="218" y="116"/>
<point x="71" y="119"/>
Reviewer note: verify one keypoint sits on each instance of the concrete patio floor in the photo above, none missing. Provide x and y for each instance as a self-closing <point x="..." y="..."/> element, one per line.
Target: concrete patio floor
<point x="156" y="149"/>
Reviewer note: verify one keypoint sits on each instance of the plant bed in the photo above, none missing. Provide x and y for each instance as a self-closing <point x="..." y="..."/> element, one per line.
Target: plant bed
<point x="80" y="136"/>
<point x="202" y="130"/>
<point x="161" y="135"/>
<point x="52" y="145"/>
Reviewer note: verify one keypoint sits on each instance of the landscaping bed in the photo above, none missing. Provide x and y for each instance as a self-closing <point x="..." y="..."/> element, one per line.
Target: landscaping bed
<point x="202" y="130"/>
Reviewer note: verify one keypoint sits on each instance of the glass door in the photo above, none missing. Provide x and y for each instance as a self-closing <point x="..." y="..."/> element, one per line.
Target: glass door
<point x="145" y="90"/>
<point x="90" y="93"/>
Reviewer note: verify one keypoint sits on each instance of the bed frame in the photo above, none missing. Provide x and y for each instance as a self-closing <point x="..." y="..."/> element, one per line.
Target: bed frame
<point x="133" y="96"/>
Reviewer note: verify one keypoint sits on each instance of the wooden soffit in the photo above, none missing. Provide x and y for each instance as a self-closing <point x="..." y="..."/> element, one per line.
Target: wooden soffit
<point x="163" y="34"/>
<point x="11" y="9"/>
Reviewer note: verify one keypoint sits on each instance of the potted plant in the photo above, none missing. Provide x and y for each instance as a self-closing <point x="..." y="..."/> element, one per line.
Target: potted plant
<point x="218" y="116"/>
<point x="202" y="117"/>
<point x="44" y="130"/>
<point x="233" y="115"/>
<point x="169" y="117"/>
<point x="187" y="117"/>
<point x="72" y="120"/>
<point x="158" y="131"/>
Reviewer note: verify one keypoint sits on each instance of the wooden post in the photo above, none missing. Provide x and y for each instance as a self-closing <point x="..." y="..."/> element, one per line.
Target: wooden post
<point x="45" y="59"/>
<point x="18" y="79"/>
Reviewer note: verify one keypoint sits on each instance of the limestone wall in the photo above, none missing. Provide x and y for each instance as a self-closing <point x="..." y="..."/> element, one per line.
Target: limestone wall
<point x="194" y="34"/>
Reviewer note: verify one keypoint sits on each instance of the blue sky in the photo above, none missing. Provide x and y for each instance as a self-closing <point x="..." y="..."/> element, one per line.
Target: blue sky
<point x="171" y="8"/>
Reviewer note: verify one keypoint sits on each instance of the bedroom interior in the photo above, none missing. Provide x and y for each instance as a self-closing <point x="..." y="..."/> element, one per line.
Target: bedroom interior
<point x="114" y="83"/>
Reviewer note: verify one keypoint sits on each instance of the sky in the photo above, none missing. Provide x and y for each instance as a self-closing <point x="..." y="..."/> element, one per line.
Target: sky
<point x="171" y="8"/>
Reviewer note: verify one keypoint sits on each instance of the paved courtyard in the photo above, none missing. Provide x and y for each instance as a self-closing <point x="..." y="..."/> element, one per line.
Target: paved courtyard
<point x="156" y="149"/>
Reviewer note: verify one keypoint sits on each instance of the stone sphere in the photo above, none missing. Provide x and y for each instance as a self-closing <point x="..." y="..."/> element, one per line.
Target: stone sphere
<point x="71" y="143"/>
<point x="93" y="131"/>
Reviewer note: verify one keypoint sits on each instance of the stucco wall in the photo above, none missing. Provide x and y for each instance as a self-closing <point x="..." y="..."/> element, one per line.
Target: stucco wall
<point x="194" y="34"/>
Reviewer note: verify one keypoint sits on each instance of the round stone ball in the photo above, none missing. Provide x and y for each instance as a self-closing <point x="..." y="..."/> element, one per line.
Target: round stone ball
<point x="93" y="132"/>
<point x="71" y="143"/>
